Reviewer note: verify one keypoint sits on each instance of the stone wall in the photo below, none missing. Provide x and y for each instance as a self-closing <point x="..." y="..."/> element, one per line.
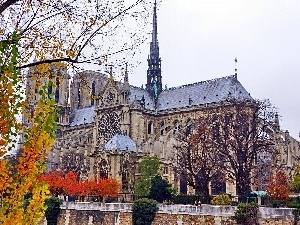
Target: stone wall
<point x="120" y="214"/>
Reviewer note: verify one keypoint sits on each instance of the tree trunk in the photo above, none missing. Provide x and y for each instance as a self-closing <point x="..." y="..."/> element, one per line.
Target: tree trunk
<point x="243" y="186"/>
<point x="202" y="188"/>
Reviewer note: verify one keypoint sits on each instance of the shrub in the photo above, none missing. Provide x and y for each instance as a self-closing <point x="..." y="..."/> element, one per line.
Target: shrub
<point x="187" y="199"/>
<point x="160" y="189"/>
<point x="246" y="214"/>
<point x="296" y="214"/>
<point x="222" y="199"/>
<point x="143" y="211"/>
<point x="53" y="209"/>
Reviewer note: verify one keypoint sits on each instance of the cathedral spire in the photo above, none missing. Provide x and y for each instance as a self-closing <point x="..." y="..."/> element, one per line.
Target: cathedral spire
<point x="154" y="84"/>
<point x="154" y="32"/>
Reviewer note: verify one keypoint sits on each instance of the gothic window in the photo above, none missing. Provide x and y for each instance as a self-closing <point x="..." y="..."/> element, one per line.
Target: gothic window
<point x="78" y="95"/>
<point x="162" y="130"/>
<point x="166" y="171"/>
<point x="150" y="126"/>
<point x="215" y="127"/>
<point x="57" y="90"/>
<point x="183" y="185"/>
<point x="125" y="176"/>
<point x="188" y="130"/>
<point x="177" y="127"/>
<point x="103" y="170"/>
<point x="217" y="185"/>
<point x="109" y="125"/>
<point x="50" y="90"/>
<point x="93" y="94"/>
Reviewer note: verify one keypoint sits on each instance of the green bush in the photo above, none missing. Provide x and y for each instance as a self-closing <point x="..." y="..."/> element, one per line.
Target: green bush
<point x="188" y="199"/>
<point x="160" y="189"/>
<point x="53" y="209"/>
<point x="143" y="211"/>
<point x="222" y="199"/>
<point x="246" y="214"/>
<point x="296" y="214"/>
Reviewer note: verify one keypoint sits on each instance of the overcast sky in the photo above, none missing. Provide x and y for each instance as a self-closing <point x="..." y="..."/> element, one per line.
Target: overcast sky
<point x="199" y="40"/>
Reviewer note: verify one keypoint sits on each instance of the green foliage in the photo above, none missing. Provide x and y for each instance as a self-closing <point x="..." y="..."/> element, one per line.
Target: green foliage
<point x="187" y="199"/>
<point x="148" y="168"/>
<point x="296" y="214"/>
<point x="294" y="202"/>
<point x="143" y="211"/>
<point x="246" y="214"/>
<point x="296" y="180"/>
<point x="223" y="199"/>
<point x="53" y="209"/>
<point x="160" y="189"/>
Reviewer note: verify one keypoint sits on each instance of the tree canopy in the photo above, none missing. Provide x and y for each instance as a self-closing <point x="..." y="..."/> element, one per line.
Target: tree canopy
<point x="40" y="35"/>
<point x="228" y="139"/>
<point x="148" y="168"/>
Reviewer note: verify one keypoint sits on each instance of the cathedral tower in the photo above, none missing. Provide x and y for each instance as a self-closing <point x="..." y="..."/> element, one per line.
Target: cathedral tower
<point x="154" y="84"/>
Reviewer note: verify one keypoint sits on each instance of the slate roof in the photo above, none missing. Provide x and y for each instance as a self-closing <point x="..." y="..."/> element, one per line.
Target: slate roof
<point x="204" y="92"/>
<point x="82" y="116"/>
<point x="121" y="142"/>
<point x="200" y="93"/>
<point x="137" y="93"/>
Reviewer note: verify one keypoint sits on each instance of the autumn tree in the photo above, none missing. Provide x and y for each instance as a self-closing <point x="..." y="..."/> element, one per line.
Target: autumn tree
<point x="295" y="185"/>
<point x="68" y="183"/>
<point x="198" y="160"/>
<point x="19" y="181"/>
<point x="279" y="187"/>
<point x="245" y="131"/>
<point x="40" y="34"/>
<point x="228" y="138"/>
<point x="77" y="32"/>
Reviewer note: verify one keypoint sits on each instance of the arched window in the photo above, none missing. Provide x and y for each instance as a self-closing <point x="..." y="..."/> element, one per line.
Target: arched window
<point x="177" y="127"/>
<point x="125" y="176"/>
<point x="150" y="126"/>
<point x="103" y="170"/>
<point x="218" y="186"/>
<point x="78" y="96"/>
<point x="188" y="130"/>
<point x="93" y="94"/>
<point x="57" y="90"/>
<point x="49" y="90"/>
<point x="162" y="129"/>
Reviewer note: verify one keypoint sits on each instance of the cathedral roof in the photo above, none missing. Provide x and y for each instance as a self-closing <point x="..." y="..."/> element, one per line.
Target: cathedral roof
<point x="137" y="93"/>
<point x="205" y="92"/>
<point x="121" y="142"/>
<point x="82" y="116"/>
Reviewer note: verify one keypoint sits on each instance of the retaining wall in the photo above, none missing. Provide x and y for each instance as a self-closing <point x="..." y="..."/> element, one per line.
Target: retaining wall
<point x="86" y="213"/>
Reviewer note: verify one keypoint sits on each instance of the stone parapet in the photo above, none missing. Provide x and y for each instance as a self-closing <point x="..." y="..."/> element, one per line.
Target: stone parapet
<point x="209" y="210"/>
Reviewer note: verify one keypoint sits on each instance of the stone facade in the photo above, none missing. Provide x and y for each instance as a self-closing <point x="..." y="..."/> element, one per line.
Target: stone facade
<point x="107" y="127"/>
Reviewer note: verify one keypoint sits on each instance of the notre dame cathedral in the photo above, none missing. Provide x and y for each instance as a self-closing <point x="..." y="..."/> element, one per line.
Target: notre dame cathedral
<point x="107" y="127"/>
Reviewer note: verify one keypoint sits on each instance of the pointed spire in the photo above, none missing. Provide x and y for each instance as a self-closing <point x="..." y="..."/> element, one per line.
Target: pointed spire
<point x="276" y="119"/>
<point x="235" y="68"/>
<point x="154" y="81"/>
<point x="126" y="80"/>
<point x="154" y="32"/>
<point x="111" y="78"/>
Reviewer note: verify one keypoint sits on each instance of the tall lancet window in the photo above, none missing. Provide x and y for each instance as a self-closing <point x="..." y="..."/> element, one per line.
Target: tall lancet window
<point x="57" y="90"/>
<point x="93" y="94"/>
<point x="50" y="90"/>
<point x="78" y="96"/>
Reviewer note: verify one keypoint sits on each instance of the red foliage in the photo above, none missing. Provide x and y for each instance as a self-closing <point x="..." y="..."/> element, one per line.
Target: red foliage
<point x="279" y="186"/>
<point x="67" y="183"/>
